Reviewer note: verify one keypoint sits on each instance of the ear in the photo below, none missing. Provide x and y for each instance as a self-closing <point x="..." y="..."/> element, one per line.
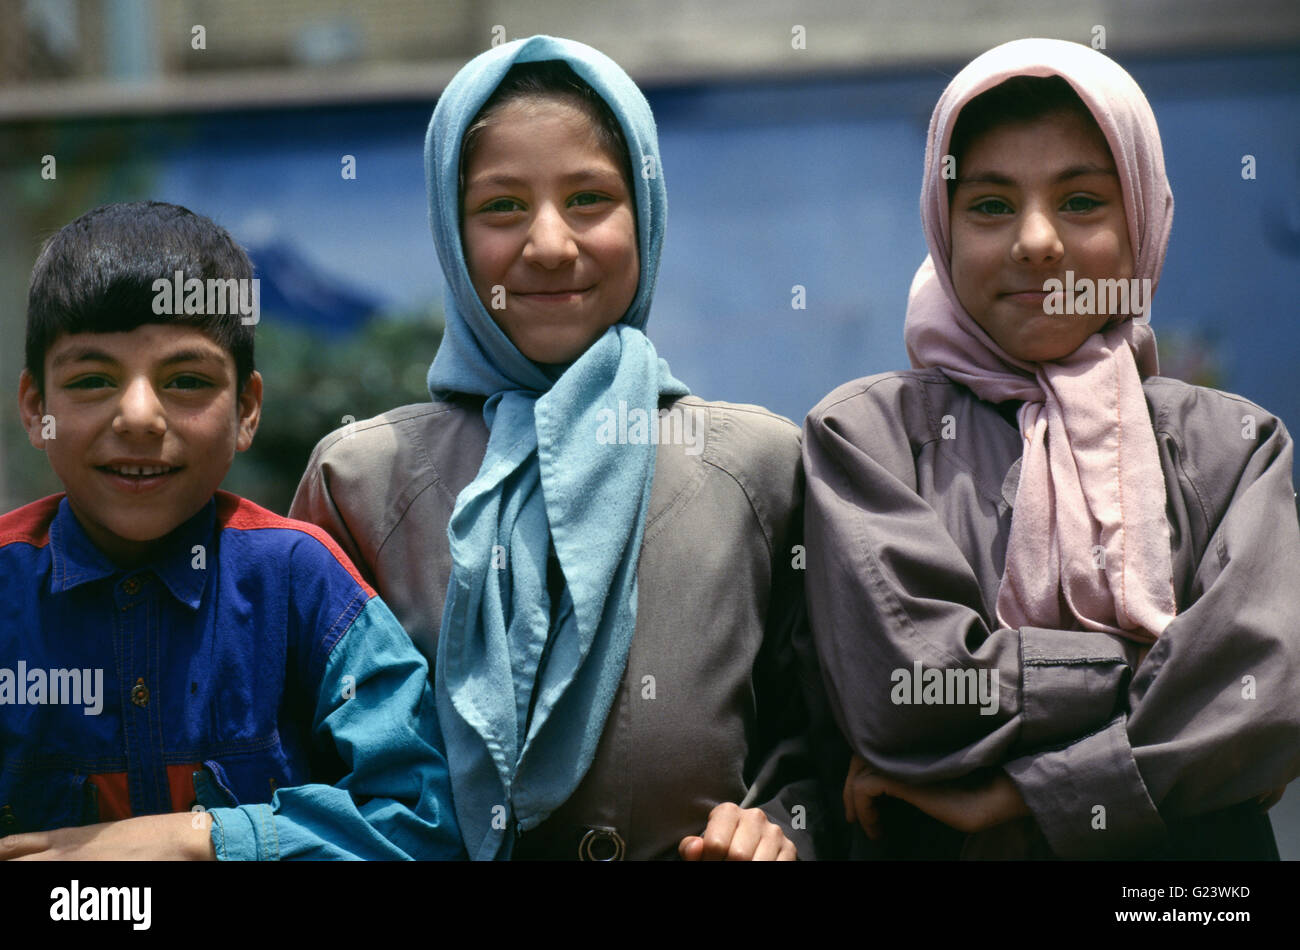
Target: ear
<point x="31" y="408"/>
<point x="250" y="411"/>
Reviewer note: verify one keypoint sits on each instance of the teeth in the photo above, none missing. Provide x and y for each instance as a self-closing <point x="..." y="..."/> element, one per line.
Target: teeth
<point x="140" y="469"/>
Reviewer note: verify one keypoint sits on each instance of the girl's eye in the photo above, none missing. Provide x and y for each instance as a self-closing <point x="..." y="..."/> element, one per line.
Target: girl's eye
<point x="1080" y="203"/>
<point x="991" y="206"/>
<point x="501" y="206"/>
<point x="586" y="198"/>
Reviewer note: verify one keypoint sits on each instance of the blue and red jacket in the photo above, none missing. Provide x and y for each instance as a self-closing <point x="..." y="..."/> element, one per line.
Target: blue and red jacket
<point x="247" y="670"/>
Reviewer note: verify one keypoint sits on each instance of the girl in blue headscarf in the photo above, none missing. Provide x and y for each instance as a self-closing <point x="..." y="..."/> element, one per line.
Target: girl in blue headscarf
<point x="602" y="568"/>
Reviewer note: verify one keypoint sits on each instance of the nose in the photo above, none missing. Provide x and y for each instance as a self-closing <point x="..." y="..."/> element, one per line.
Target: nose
<point x="139" y="410"/>
<point x="551" y="241"/>
<point x="1037" y="239"/>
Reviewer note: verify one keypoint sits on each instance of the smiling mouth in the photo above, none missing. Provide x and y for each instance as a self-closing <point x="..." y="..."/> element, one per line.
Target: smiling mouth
<point x="1035" y="299"/>
<point x="139" y="471"/>
<point x="552" y="294"/>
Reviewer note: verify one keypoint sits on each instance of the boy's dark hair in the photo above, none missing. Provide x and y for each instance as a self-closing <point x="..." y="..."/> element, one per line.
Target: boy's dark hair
<point x="1019" y="99"/>
<point x="96" y="275"/>
<point x="543" y="80"/>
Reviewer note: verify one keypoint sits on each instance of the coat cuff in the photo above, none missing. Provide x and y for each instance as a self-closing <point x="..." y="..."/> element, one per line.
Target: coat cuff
<point x="1071" y="684"/>
<point x="1088" y="798"/>
<point x="246" y="833"/>
<point x="798" y="810"/>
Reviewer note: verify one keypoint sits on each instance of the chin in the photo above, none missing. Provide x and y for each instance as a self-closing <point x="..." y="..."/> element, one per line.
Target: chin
<point x="553" y="351"/>
<point x="1046" y="353"/>
<point x="550" y="357"/>
<point x="146" y="534"/>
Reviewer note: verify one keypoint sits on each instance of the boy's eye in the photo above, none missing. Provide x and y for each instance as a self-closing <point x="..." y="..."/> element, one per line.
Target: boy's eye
<point x="1080" y="203"/>
<point x="88" y="382"/>
<point x="991" y="206"/>
<point x="190" y="382"/>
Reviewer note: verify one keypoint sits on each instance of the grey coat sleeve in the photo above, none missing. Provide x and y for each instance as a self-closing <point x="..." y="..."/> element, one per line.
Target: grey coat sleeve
<point x="787" y="783"/>
<point x="1212" y="715"/>
<point x="780" y="771"/>
<point x="888" y="589"/>
<point x="314" y="501"/>
<point x="1073" y="727"/>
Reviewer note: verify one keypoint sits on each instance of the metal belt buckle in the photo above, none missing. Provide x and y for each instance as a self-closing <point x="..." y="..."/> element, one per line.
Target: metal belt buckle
<point x="601" y="844"/>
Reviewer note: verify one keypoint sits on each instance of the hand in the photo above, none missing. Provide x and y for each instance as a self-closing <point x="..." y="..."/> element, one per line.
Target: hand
<point x="965" y="808"/>
<point x="738" y="834"/>
<point x="183" y="836"/>
<point x="1269" y="799"/>
<point x="861" y="789"/>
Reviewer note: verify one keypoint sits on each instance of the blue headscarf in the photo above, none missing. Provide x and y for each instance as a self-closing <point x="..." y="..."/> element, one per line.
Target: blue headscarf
<point x="545" y="483"/>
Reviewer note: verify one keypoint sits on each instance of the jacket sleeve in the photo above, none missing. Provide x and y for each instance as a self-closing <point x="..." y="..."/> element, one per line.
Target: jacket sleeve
<point x="787" y="689"/>
<point x="314" y="502"/>
<point x="757" y="460"/>
<point x="899" y="618"/>
<point x="375" y="713"/>
<point x="1212" y="716"/>
<point x="1209" y="720"/>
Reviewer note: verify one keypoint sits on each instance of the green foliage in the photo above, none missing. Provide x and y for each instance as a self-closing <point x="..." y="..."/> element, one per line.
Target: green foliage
<point x="1192" y="355"/>
<point x="312" y="384"/>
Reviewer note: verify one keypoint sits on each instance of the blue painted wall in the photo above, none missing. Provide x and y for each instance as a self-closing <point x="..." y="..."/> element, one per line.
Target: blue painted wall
<point x="810" y="182"/>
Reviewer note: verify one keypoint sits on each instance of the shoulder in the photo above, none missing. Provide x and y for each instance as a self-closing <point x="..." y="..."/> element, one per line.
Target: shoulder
<point x="295" y="571"/>
<point x="1179" y="406"/>
<point x="734" y="424"/>
<point x="1215" y="432"/>
<point x="399" y="434"/>
<point x="1218" y="438"/>
<point x="728" y="457"/>
<point x="265" y="539"/>
<point x="749" y="442"/>
<point x="30" y="524"/>
<point x="375" y="469"/>
<point x="892" y="397"/>
<point x="890" y="416"/>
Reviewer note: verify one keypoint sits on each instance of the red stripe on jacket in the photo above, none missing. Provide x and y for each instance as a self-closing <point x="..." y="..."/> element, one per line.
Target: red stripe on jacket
<point x="115" y="799"/>
<point x="30" y="523"/>
<point x="242" y="515"/>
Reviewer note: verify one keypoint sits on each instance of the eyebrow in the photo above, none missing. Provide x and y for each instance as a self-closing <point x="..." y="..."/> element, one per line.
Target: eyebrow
<point x="191" y="356"/>
<point x="510" y="181"/>
<point x="88" y="354"/>
<point x="83" y="354"/>
<point x="1074" y="171"/>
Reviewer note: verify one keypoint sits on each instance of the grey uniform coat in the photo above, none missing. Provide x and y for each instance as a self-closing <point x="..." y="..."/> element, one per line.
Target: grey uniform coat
<point x="710" y="708"/>
<point x="911" y="488"/>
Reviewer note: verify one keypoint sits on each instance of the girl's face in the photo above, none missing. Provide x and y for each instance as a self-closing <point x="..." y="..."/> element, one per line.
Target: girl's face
<point x="1034" y="200"/>
<point x="549" y="229"/>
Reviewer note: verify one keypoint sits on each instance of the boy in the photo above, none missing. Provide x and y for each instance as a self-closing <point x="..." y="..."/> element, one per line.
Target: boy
<point x="177" y="648"/>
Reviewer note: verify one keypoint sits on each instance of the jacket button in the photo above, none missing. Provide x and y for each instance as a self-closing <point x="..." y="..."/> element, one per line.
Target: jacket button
<point x="132" y="585"/>
<point x="7" y="818"/>
<point x="140" y="693"/>
<point x="601" y="844"/>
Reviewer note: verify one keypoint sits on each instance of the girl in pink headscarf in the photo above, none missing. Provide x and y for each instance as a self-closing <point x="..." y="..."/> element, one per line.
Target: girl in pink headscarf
<point x="1053" y="594"/>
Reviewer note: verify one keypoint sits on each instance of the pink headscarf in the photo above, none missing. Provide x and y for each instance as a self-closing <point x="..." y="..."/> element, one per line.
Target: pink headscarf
<point x="1090" y="474"/>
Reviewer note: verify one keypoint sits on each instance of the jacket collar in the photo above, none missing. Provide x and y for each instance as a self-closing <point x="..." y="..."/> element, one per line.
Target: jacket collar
<point x="77" y="561"/>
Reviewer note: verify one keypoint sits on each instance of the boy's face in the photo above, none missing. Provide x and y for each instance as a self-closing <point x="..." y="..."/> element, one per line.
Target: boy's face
<point x="145" y="426"/>
<point x="1034" y="200"/>
<point x="549" y="229"/>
